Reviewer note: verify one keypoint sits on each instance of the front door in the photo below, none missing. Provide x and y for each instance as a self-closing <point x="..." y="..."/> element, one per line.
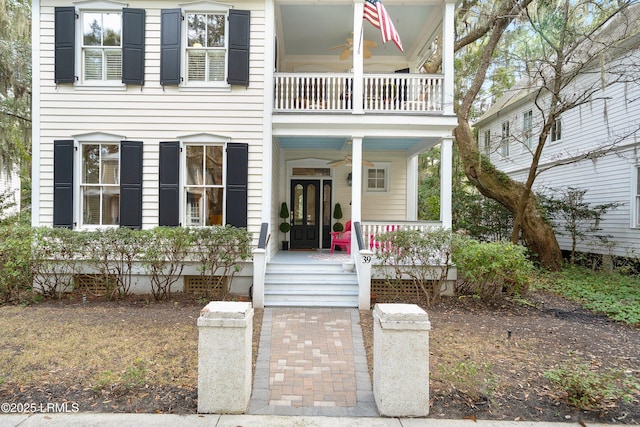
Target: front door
<point x="305" y="213"/>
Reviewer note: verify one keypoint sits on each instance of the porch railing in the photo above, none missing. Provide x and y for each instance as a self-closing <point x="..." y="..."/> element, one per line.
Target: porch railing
<point x="382" y="93"/>
<point x="372" y="229"/>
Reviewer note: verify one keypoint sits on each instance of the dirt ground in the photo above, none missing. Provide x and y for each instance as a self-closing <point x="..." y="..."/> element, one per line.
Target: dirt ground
<point x="141" y="356"/>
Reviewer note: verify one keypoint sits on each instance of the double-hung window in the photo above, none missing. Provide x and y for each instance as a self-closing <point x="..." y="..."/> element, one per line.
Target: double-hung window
<point x="101" y="47"/>
<point x="487" y="143"/>
<point x="504" y="142"/>
<point x="206" y="47"/>
<point x="99" y="184"/>
<point x="204" y="185"/>
<point x="527" y="128"/>
<point x="556" y="130"/>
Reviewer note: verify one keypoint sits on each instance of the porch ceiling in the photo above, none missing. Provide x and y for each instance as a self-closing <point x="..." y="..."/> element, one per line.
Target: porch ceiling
<point x="368" y="144"/>
<point x="311" y="28"/>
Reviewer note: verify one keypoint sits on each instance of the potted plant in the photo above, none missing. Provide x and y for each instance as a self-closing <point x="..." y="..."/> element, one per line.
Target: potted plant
<point x="285" y="227"/>
<point x="337" y="214"/>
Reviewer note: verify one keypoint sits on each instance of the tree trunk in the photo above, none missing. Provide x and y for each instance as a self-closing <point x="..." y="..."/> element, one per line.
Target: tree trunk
<point x="536" y="230"/>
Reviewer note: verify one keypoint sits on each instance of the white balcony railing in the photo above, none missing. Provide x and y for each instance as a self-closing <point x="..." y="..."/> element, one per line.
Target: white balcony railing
<point x="372" y="229"/>
<point x="332" y="92"/>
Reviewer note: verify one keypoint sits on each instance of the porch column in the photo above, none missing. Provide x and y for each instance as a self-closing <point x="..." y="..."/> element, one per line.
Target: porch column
<point x="266" y="189"/>
<point x="356" y="185"/>
<point x="448" y="37"/>
<point x="412" y="188"/>
<point x="358" y="66"/>
<point x="446" y="178"/>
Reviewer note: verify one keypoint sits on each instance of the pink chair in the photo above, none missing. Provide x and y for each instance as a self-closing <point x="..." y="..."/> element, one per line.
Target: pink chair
<point x="342" y="239"/>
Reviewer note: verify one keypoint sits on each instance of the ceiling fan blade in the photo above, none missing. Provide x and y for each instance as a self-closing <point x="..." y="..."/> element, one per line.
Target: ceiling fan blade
<point x="336" y="163"/>
<point x="345" y="54"/>
<point x="366" y="53"/>
<point x="370" y="43"/>
<point x="343" y="45"/>
<point x="367" y="163"/>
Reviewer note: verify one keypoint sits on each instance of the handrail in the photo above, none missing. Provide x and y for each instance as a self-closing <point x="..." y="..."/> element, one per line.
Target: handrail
<point x="264" y="235"/>
<point x="359" y="239"/>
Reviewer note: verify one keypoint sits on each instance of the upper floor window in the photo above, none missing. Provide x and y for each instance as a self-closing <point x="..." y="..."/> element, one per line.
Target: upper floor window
<point x="487" y="143"/>
<point x="204" y="185"/>
<point x="206" y="47"/>
<point x="101" y="46"/>
<point x="556" y="130"/>
<point x="527" y="128"/>
<point x="99" y="184"/>
<point x="504" y="141"/>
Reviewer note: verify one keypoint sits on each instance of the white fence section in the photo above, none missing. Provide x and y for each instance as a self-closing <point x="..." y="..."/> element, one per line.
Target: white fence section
<point x="332" y="92"/>
<point x="372" y="229"/>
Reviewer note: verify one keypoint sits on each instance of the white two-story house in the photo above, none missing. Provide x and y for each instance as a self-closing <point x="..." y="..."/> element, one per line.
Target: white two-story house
<point x="592" y="147"/>
<point x="211" y="113"/>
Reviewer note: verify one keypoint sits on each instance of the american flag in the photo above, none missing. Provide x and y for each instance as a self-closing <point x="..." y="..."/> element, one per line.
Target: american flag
<point x="375" y="13"/>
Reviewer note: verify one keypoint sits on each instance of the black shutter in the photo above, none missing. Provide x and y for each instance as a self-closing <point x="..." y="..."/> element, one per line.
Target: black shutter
<point x="239" y="38"/>
<point x="63" y="183"/>
<point x="237" y="180"/>
<point x="131" y="184"/>
<point x="169" y="197"/>
<point x="133" y="46"/>
<point x="65" y="49"/>
<point x="170" y="23"/>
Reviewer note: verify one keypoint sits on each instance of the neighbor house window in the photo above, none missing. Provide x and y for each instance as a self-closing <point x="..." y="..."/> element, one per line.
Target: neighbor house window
<point x="527" y="128"/>
<point x="637" y="198"/>
<point x="556" y="130"/>
<point x="504" y="141"/>
<point x="377" y="179"/>
<point x="101" y="48"/>
<point x="487" y="143"/>
<point x="100" y="185"/>
<point x="206" y="47"/>
<point x="204" y="185"/>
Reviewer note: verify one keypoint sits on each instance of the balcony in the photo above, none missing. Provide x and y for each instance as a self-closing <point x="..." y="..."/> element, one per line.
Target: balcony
<point x="381" y="93"/>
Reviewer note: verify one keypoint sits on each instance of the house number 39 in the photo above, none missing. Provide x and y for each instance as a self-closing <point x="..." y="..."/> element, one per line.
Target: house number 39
<point x="366" y="259"/>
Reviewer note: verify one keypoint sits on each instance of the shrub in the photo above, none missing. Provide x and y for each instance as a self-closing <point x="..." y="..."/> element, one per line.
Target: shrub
<point x="587" y="389"/>
<point x="474" y="380"/>
<point x="220" y="250"/>
<point x="424" y="256"/>
<point x="163" y="255"/>
<point x="55" y="254"/>
<point x="15" y="263"/>
<point x="492" y="270"/>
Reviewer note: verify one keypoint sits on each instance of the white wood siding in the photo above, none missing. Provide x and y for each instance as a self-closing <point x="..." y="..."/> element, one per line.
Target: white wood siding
<point x="152" y="113"/>
<point x="610" y="121"/>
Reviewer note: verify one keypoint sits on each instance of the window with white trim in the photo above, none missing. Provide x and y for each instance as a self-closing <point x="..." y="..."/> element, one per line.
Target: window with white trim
<point x="527" y="128"/>
<point x="487" y="143"/>
<point x="99" y="184"/>
<point x="204" y="185"/>
<point x="556" y="130"/>
<point x="377" y="178"/>
<point x="636" y="196"/>
<point x="101" y="48"/>
<point x="206" y="47"/>
<point x="504" y="141"/>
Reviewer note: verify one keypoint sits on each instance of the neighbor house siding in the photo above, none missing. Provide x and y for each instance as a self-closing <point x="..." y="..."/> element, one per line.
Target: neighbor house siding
<point x="152" y="113"/>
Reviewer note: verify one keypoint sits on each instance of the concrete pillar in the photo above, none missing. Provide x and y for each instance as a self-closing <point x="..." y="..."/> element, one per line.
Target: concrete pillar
<point x="401" y="360"/>
<point x="224" y="357"/>
<point x="259" y="270"/>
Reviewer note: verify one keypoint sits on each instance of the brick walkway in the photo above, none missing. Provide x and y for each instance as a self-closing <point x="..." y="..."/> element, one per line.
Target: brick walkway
<point x="311" y="362"/>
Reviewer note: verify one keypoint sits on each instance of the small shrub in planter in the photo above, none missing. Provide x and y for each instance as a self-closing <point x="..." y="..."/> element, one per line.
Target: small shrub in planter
<point x="337" y="214"/>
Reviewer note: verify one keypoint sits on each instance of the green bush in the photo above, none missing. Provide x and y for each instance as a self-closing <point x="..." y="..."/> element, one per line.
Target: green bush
<point x="15" y="263"/>
<point x="587" y="389"/>
<point x="54" y="260"/>
<point x="492" y="270"/>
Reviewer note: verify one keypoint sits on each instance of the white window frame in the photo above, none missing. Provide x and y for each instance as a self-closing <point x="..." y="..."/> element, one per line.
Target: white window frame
<point x="105" y="6"/>
<point x="554" y="135"/>
<point x="79" y="142"/>
<point x="487" y="143"/>
<point x="204" y="8"/>
<point x="527" y="129"/>
<point x="635" y="197"/>
<point x="505" y="137"/>
<point x="377" y="166"/>
<point x="204" y="140"/>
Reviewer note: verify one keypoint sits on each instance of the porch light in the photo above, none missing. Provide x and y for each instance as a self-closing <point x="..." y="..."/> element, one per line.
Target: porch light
<point x="349" y="179"/>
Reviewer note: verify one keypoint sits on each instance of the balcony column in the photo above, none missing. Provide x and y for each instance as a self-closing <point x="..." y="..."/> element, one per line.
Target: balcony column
<point x="448" y="37"/>
<point x="356" y="185"/>
<point x="446" y="181"/>
<point x="358" y="61"/>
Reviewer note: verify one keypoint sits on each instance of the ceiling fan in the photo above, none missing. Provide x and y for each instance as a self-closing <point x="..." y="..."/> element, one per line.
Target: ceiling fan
<point x="348" y="48"/>
<point x="347" y="161"/>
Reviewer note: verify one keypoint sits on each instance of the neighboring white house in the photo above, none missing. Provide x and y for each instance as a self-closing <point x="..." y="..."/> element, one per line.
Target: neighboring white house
<point x="10" y="187"/>
<point x="593" y="147"/>
<point x="214" y="113"/>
